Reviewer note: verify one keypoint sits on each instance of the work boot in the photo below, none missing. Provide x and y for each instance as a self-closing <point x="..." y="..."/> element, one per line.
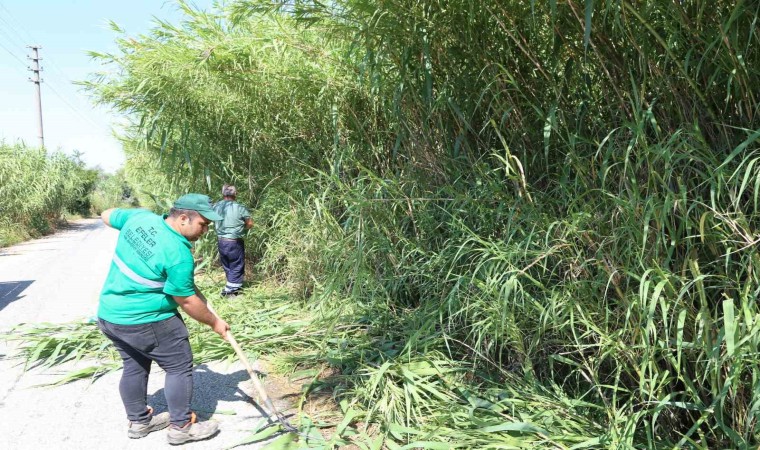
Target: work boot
<point x="230" y="293"/>
<point x="157" y="422"/>
<point x="192" y="431"/>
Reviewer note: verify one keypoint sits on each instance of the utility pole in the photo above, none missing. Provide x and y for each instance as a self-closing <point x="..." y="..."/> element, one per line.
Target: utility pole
<point x="37" y="80"/>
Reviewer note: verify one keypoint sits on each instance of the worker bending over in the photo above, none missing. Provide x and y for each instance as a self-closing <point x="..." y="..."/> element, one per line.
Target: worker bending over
<point x="151" y="275"/>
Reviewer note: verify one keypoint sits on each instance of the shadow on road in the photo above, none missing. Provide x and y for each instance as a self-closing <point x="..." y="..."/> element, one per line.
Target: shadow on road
<point x="81" y="226"/>
<point x="209" y="388"/>
<point x="10" y="291"/>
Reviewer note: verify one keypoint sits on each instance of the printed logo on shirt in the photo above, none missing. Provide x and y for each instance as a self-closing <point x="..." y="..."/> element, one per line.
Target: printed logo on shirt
<point x="142" y="241"/>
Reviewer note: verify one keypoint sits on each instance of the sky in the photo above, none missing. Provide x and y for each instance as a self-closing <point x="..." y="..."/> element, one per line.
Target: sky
<point x="66" y="30"/>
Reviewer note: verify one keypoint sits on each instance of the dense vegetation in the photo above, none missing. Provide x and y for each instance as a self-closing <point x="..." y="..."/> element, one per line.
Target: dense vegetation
<point x="112" y="191"/>
<point x="37" y="189"/>
<point x="520" y="222"/>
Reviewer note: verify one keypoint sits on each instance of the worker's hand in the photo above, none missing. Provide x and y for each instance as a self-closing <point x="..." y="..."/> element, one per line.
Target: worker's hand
<point x="221" y="327"/>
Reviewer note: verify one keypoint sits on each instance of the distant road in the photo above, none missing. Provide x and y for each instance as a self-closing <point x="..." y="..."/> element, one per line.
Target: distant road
<point x="56" y="278"/>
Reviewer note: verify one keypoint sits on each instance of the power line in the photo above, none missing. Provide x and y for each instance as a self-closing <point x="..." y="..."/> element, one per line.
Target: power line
<point x="53" y="90"/>
<point x="76" y="111"/>
<point x="50" y="62"/>
<point x="13" y="18"/>
<point x="66" y="79"/>
<point x="50" y="85"/>
<point x="13" y="54"/>
<point x="6" y="31"/>
<point x="55" y="68"/>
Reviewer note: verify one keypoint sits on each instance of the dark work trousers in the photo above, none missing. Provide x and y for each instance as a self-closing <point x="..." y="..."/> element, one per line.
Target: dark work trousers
<point x="232" y="256"/>
<point x="165" y="342"/>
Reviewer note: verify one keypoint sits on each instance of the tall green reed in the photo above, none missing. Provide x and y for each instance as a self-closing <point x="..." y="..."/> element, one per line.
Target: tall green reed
<point x="36" y="189"/>
<point x="559" y="192"/>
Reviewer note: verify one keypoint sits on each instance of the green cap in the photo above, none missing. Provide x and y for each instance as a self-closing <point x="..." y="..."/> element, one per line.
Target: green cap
<point x="197" y="202"/>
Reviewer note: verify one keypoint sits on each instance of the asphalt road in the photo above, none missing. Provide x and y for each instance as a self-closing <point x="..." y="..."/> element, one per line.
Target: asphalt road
<point x="57" y="279"/>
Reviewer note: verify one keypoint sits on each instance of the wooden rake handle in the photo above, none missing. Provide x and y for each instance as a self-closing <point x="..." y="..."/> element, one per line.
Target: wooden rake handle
<point x="254" y="378"/>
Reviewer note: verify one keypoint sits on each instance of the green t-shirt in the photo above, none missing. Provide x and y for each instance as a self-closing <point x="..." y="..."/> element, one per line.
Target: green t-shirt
<point x="152" y="262"/>
<point x="233" y="224"/>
